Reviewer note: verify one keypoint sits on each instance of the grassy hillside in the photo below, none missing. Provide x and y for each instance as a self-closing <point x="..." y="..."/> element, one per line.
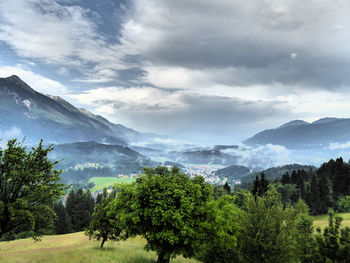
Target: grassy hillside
<point x="76" y="247"/>
<point x="322" y="221"/>
<point x="102" y="182"/>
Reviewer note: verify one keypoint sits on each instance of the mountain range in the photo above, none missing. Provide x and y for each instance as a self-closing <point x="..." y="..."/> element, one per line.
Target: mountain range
<point x="38" y="116"/>
<point x="300" y="134"/>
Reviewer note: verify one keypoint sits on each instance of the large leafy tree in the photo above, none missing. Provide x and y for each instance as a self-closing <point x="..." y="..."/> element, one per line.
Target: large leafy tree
<point x="102" y="227"/>
<point x="168" y="209"/>
<point x="28" y="189"/>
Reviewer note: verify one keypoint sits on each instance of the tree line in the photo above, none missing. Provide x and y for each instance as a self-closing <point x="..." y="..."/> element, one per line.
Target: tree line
<point x="175" y="214"/>
<point x="322" y="189"/>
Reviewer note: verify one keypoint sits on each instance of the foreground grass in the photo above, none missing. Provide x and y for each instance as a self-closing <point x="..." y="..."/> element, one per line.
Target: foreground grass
<point x="77" y="247"/>
<point x="322" y="221"/>
<point x="102" y="182"/>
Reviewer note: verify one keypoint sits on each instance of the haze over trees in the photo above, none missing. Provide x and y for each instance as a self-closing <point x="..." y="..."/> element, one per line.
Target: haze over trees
<point x="179" y="215"/>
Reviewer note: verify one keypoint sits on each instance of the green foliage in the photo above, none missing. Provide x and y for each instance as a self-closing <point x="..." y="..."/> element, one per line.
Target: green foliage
<point x="62" y="223"/>
<point x="290" y="193"/>
<point x="220" y="245"/>
<point x="260" y="186"/>
<point x="240" y="197"/>
<point x="101" y="227"/>
<point x="267" y="233"/>
<point x="80" y="206"/>
<point x="28" y="188"/>
<point x="334" y="243"/>
<point x="166" y="207"/>
<point x="343" y="204"/>
<point x="305" y="242"/>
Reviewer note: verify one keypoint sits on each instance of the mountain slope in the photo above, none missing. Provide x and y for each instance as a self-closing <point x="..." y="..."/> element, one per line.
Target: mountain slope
<point x="300" y="135"/>
<point x="53" y="119"/>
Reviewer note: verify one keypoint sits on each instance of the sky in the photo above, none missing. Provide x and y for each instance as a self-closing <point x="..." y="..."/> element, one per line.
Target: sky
<point x="203" y="71"/>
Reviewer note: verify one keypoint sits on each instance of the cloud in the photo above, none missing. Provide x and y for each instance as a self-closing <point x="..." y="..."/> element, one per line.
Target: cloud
<point x="59" y="34"/>
<point x="339" y="146"/>
<point x="36" y="81"/>
<point x="210" y="70"/>
<point x="182" y="114"/>
<point x="264" y="156"/>
<point x="12" y="133"/>
<point x="263" y="41"/>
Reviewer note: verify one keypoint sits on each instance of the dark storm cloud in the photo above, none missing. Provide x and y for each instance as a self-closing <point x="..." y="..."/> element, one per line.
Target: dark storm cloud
<point x="294" y="43"/>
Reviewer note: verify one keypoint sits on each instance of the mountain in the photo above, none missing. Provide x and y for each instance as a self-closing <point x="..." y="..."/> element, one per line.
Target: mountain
<point x="38" y="116"/>
<point x="115" y="156"/>
<point x="303" y="135"/>
<point x="81" y="161"/>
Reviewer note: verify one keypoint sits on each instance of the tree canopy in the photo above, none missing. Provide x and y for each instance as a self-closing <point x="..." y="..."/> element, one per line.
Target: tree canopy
<point x="28" y="189"/>
<point x="168" y="209"/>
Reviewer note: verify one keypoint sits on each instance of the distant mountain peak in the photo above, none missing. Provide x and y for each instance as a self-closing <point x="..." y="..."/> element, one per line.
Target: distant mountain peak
<point x="293" y="123"/>
<point x="301" y="135"/>
<point x="326" y="120"/>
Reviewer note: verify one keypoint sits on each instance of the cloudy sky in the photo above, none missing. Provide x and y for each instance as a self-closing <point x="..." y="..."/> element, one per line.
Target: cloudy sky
<point x="198" y="70"/>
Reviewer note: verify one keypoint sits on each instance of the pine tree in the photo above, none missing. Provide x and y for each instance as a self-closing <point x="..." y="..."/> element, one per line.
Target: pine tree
<point x="62" y="222"/>
<point x="285" y="178"/>
<point x="260" y="186"/>
<point x="227" y="188"/>
<point x="80" y="206"/>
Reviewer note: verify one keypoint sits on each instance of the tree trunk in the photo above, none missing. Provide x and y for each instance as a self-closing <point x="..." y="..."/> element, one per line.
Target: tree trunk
<point x="103" y="241"/>
<point x="162" y="258"/>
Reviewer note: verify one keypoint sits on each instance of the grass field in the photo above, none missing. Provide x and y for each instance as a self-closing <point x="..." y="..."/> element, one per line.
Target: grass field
<point x="77" y="247"/>
<point x="102" y="182"/>
<point x="322" y="221"/>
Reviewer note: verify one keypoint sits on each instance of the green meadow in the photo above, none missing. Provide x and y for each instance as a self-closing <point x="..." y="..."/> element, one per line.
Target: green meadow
<point x="71" y="248"/>
<point x="322" y="221"/>
<point x="102" y="182"/>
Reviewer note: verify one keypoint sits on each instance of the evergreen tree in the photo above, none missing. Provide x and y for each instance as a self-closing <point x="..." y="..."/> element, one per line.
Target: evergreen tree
<point x="80" y="206"/>
<point x="62" y="222"/>
<point x="314" y="196"/>
<point x="260" y="186"/>
<point x="227" y="188"/>
<point x="285" y="178"/>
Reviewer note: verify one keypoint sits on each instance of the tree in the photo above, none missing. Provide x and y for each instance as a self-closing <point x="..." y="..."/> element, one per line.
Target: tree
<point x="285" y="178"/>
<point x="28" y="189"/>
<point x="101" y="226"/>
<point x="80" y="206"/>
<point x="62" y="222"/>
<point x="167" y="208"/>
<point x="267" y="233"/>
<point x="260" y="186"/>
<point x="334" y="243"/>
<point x="305" y="241"/>
<point x="220" y="244"/>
